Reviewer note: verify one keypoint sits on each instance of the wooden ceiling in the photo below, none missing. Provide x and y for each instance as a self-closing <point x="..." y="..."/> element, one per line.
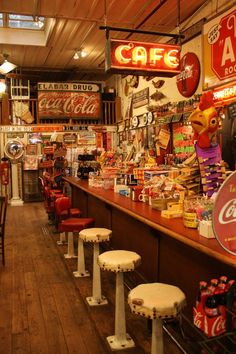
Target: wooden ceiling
<point x="77" y="25"/>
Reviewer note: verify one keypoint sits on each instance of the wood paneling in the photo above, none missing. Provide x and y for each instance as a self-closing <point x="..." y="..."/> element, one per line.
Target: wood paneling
<point x="43" y="307"/>
<point x="170" y="252"/>
<point x="77" y="25"/>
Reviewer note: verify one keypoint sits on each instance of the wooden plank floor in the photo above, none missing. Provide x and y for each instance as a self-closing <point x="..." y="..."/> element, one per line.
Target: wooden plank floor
<point x="43" y="308"/>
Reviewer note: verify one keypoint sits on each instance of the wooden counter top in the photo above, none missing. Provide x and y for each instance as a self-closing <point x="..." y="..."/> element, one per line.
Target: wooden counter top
<point x="170" y="227"/>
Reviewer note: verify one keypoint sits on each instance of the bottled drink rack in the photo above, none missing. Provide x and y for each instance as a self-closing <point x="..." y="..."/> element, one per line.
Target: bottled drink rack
<point x="191" y="340"/>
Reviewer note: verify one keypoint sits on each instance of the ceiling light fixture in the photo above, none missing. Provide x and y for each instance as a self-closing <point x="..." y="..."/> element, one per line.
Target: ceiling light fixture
<point x="2" y="86"/>
<point x="38" y="22"/>
<point x="79" y="54"/>
<point x="6" y="66"/>
<point x="76" y="55"/>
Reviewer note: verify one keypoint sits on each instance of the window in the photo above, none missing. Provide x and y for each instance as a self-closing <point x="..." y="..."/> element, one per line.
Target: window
<point x="22" y="22"/>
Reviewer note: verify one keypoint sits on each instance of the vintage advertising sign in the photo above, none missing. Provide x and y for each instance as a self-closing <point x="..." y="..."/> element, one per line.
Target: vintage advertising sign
<point x="224" y="94"/>
<point x="140" y="98"/>
<point x="188" y="78"/>
<point x="124" y="56"/>
<point x="67" y="86"/>
<point x="69" y="100"/>
<point x="219" y="49"/>
<point x="224" y="215"/>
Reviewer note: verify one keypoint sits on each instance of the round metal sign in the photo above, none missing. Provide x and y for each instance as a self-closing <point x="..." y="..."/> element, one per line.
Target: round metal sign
<point x="188" y="79"/>
<point x="224" y="215"/>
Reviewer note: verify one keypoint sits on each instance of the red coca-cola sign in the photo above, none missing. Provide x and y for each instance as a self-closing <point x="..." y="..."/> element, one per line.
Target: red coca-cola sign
<point x="222" y="38"/>
<point x="69" y="104"/>
<point x="188" y="79"/>
<point x="224" y="215"/>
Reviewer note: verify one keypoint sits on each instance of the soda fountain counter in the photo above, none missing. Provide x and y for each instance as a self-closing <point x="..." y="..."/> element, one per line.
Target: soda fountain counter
<point x="171" y="253"/>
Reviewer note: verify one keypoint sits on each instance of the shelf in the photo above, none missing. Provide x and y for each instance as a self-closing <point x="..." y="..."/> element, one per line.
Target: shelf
<point x="192" y="341"/>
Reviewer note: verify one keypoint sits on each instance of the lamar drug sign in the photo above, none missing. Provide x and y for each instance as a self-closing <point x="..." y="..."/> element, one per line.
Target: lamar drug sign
<point x="131" y="57"/>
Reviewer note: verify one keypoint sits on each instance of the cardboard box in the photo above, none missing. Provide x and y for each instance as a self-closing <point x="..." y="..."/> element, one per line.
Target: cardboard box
<point x="211" y="326"/>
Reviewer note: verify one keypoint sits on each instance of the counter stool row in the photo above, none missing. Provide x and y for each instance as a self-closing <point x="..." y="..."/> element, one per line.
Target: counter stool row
<point x="154" y="301"/>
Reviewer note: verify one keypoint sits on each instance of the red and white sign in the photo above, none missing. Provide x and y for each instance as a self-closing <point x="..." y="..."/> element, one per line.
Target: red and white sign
<point x="219" y="49"/>
<point x="223" y="39"/>
<point x="129" y="56"/>
<point x="69" y="104"/>
<point x="224" y="215"/>
<point x="224" y="94"/>
<point x="188" y="78"/>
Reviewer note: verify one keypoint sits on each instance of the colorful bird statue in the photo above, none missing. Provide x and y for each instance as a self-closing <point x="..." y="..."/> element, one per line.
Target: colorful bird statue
<point x="205" y="122"/>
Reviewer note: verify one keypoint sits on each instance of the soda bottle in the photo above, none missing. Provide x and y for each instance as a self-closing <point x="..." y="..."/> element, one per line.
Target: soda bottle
<point x="229" y="284"/>
<point x="211" y="306"/>
<point x="223" y="279"/>
<point x="214" y="282"/>
<point x="221" y="295"/>
<point x="202" y="293"/>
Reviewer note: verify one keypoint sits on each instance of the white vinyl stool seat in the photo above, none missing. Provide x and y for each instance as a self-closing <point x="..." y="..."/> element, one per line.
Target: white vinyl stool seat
<point x="93" y="235"/>
<point x="156" y="301"/>
<point x="119" y="261"/>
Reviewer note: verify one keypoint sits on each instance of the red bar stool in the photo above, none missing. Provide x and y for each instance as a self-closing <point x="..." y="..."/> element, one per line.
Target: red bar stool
<point x="74" y="226"/>
<point x="64" y="211"/>
<point x="50" y="197"/>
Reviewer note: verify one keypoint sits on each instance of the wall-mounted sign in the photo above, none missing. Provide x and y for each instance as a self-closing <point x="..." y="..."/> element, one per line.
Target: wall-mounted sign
<point x="140" y="98"/>
<point x="142" y="58"/>
<point x="68" y="104"/>
<point x="188" y="78"/>
<point x="69" y="100"/>
<point x="70" y="138"/>
<point x="18" y="128"/>
<point x="67" y="86"/>
<point x="224" y="215"/>
<point x="48" y="128"/>
<point x="224" y="94"/>
<point x="219" y="43"/>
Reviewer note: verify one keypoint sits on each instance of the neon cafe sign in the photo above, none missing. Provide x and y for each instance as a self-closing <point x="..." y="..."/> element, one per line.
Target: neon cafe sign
<point x="142" y="58"/>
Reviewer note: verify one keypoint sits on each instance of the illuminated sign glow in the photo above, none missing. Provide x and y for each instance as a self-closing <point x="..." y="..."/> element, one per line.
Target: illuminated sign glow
<point x="225" y="93"/>
<point x="142" y="57"/>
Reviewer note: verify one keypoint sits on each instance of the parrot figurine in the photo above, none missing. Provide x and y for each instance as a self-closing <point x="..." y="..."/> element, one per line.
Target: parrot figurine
<point x="205" y="122"/>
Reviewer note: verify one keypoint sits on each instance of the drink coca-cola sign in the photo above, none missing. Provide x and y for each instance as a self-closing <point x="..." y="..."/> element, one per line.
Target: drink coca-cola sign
<point x="188" y="79"/>
<point x="69" y="101"/>
<point x="224" y="215"/>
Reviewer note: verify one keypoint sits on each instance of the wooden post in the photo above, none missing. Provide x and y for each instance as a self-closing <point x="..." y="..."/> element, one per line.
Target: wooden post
<point x="5" y="110"/>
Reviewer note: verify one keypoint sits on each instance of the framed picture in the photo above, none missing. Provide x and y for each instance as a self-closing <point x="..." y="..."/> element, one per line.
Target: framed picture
<point x="31" y="149"/>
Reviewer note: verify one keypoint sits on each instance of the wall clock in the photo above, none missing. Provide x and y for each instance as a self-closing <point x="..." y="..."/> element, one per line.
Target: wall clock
<point x="134" y="122"/>
<point x="145" y="118"/>
<point x="150" y="117"/>
<point x="14" y="149"/>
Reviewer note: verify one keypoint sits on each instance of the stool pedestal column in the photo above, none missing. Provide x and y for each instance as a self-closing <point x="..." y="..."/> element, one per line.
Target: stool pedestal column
<point x="96" y="298"/>
<point x="63" y="238"/>
<point x="70" y="250"/>
<point x="81" y="272"/>
<point x="121" y="339"/>
<point x="157" y="337"/>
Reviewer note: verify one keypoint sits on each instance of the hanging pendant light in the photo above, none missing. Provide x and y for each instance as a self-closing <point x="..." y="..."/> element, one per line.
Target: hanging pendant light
<point x="6" y="66"/>
<point x="80" y="53"/>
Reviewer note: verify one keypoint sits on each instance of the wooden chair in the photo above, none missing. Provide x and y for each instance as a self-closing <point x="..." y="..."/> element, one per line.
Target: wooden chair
<point x="3" y="212"/>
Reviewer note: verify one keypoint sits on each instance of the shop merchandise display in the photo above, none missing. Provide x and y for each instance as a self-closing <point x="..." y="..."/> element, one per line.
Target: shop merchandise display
<point x="205" y="122"/>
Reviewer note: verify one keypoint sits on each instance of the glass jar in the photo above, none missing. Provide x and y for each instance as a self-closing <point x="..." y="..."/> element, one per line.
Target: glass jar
<point x="191" y="206"/>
